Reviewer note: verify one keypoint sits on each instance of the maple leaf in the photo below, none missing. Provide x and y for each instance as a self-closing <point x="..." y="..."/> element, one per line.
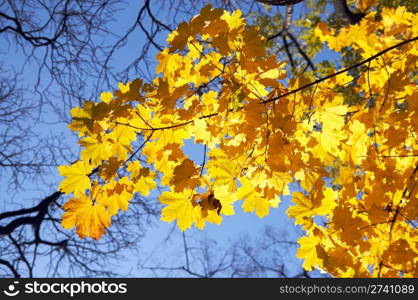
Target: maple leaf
<point x="224" y="171"/>
<point x="81" y="120"/>
<point x="96" y="150"/>
<point x="85" y="118"/>
<point x="106" y="97"/>
<point x="253" y="43"/>
<point x="226" y="199"/>
<point x="90" y="219"/>
<point x="115" y="195"/>
<point x="309" y="206"/>
<point x="181" y="36"/>
<point x="180" y="207"/>
<point x="76" y="178"/>
<point x="143" y="179"/>
<point x="253" y="200"/>
<point x="184" y="176"/>
<point x="238" y="97"/>
<point x="358" y="141"/>
<point x="311" y="252"/>
<point x="202" y="135"/>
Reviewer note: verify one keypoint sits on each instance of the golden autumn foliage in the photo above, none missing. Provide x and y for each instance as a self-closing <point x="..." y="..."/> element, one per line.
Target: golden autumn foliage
<point x="356" y="163"/>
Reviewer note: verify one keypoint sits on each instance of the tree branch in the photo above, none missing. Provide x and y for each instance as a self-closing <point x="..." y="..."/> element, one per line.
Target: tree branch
<point x="342" y="71"/>
<point x="10" y="267"/>
<point x="42" y="209"/>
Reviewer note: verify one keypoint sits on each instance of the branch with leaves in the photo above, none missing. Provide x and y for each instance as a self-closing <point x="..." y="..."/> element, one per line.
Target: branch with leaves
<point x="217" y="84"/>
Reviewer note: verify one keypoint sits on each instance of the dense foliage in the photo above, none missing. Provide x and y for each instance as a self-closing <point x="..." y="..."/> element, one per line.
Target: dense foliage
<point x="349" y="139"/>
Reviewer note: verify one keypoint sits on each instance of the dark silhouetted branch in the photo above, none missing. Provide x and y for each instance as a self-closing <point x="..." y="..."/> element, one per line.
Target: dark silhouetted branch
<point x="10" y="267"/>
<point x="42" y="209"/>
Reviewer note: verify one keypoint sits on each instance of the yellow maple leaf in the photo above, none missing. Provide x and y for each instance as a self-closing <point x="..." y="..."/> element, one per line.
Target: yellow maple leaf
<point x="312" y="253"/>
<point x="143" y="179"/>
<point x="180" y="207"/>
<point x="308" y="206"/>
<point x="115" y="195"/>
<point x="96" y="150"/>
<point x="226" y="198"/>
<point x="76" y="178"/>
<point x="202" y="135"/>
<point x="358" y="141"/>
<point x="224" y="172"/>
<point x="81" y="120"/>
<point x="330" y="136"/>
<point x="85" y="120"/>
<point x="106" y="97"/>
<point x="233" y="20"/>
<point x="90" y="219"/>
<point x="253" y="200"/>
<point x="124" y="88"/>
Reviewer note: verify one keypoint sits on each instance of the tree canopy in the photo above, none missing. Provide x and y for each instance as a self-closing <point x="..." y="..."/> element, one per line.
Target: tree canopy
<point x="347" y="138"/>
